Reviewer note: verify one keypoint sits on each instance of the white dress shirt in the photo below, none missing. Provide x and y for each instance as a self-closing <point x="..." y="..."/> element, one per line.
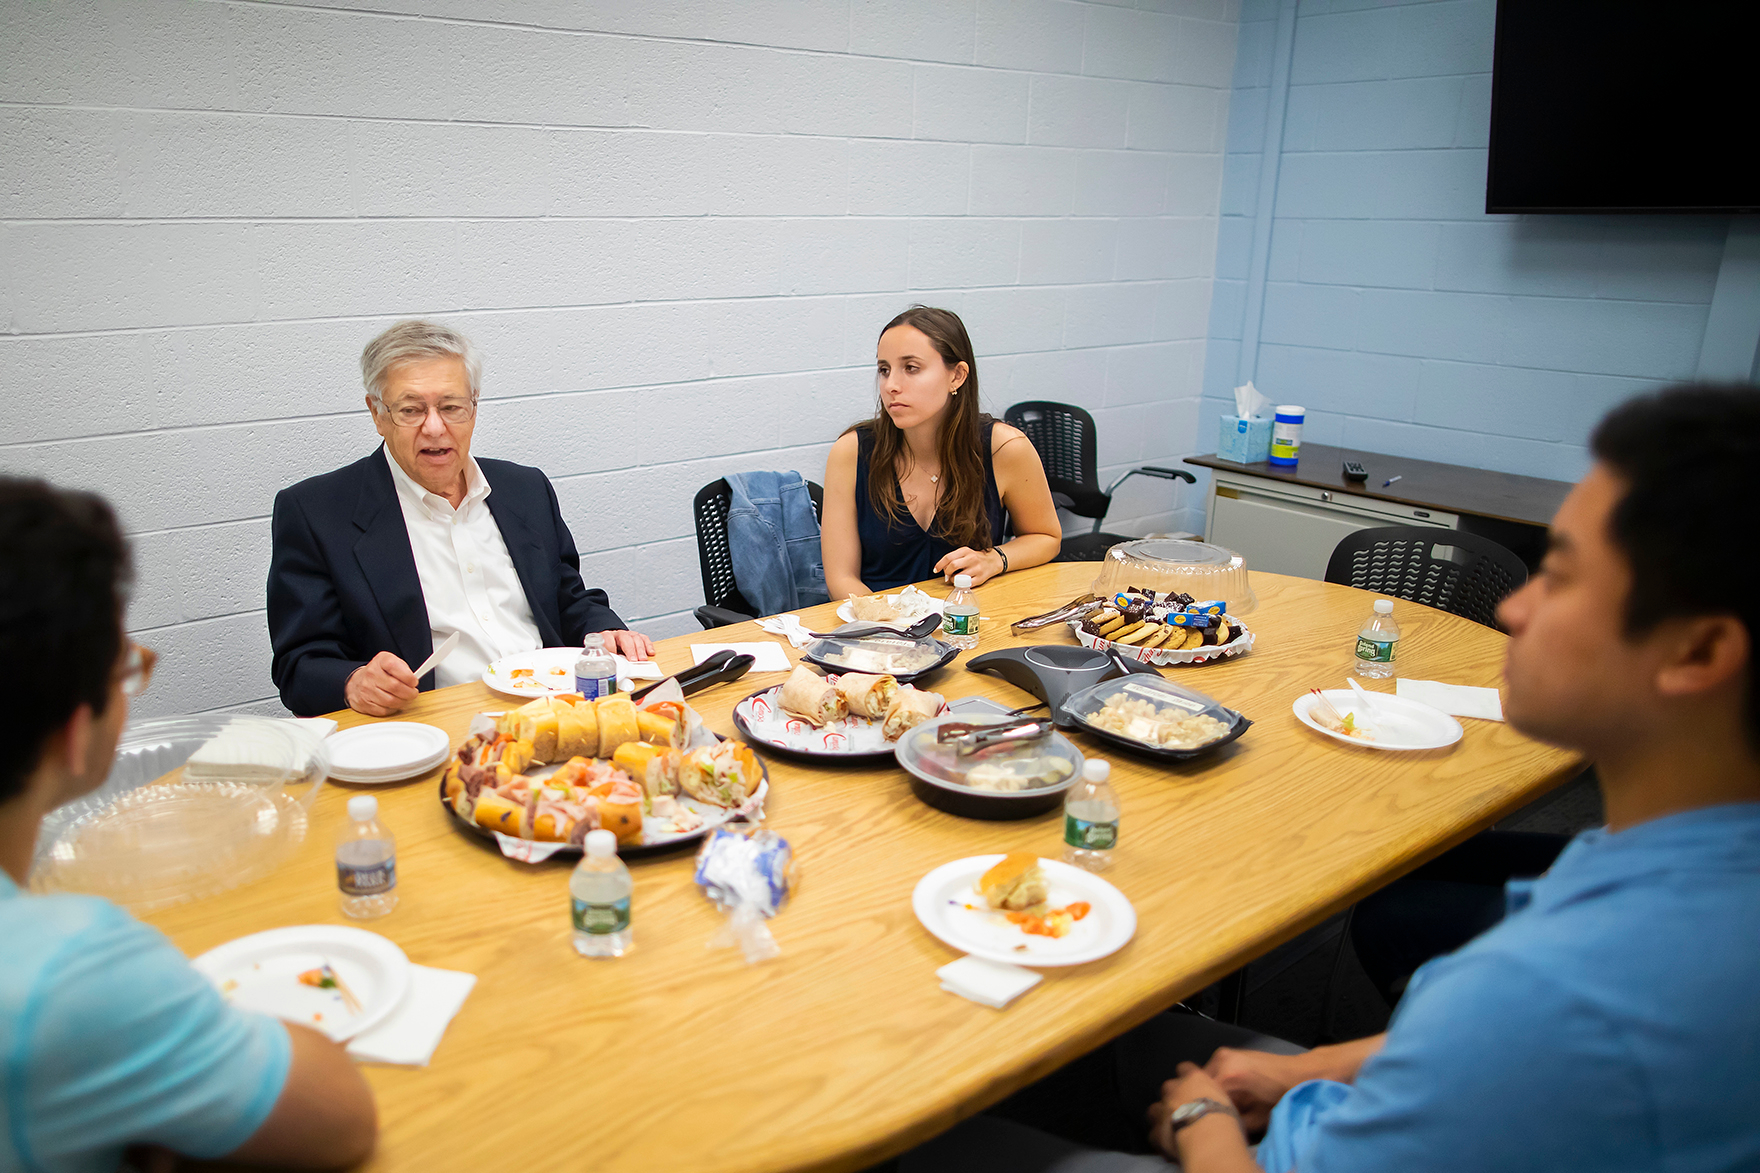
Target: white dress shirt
<point x="468" y="579"/>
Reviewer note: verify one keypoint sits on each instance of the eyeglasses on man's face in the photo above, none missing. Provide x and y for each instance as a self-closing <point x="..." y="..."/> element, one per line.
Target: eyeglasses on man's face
<point x="137" y="669"/>
<point x="413" y="413"/>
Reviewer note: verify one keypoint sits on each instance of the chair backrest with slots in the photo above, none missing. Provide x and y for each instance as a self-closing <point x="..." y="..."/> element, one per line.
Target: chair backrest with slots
<point x="714" y="557"/>
<point x="1064" y="436"/>
<point x="1461" y="573"/>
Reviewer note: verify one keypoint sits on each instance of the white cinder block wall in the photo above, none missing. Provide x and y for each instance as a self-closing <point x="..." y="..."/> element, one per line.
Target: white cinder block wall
<point x="674" y="228"/>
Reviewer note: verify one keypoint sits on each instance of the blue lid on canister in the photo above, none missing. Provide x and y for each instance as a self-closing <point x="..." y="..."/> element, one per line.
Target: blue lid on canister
<point x="1290" y="413"/>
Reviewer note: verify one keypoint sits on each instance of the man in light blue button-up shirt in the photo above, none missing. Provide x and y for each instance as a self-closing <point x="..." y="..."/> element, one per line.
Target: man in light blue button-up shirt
<point x="1611" y="1021"/>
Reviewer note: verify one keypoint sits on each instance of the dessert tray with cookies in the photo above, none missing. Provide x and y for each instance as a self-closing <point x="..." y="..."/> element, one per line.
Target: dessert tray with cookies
<point x="539" y="777"/>
<point x="1168" y="628"/>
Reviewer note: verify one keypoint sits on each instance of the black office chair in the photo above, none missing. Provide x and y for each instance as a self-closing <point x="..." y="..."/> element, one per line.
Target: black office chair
<point x="1064" y="435"/>
<point x="725" y="604"/>
<point x="1400" y="560"/>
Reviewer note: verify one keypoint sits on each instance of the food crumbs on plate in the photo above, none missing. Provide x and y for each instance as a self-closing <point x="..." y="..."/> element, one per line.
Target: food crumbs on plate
<point x="229" y="985"/>
<point x="1020" y="948"/>
<point x="317" y="1018"/>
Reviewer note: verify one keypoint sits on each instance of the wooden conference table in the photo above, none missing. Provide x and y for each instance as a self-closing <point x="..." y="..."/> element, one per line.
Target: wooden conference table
<point x="844" y="1050"/>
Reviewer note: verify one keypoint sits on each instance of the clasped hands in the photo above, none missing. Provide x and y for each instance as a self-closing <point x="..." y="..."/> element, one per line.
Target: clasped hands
<point x="385" y="684"/>
<point x="1253" y="1081"/>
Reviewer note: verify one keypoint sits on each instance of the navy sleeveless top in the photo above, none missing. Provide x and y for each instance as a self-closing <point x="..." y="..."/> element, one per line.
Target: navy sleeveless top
<point x="895" y="553"/>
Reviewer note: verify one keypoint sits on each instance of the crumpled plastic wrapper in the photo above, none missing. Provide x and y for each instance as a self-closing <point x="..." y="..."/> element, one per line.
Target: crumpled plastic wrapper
<point x="747" y="874"/>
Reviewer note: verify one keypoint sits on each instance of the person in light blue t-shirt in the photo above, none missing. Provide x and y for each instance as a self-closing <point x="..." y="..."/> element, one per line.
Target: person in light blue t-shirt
<point x="1610" y="1021"/>
<point x="111" y="1047"/>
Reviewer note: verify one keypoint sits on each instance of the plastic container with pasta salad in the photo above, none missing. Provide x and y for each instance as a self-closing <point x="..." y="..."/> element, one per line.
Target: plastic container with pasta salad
<point x="1152" y="715"/>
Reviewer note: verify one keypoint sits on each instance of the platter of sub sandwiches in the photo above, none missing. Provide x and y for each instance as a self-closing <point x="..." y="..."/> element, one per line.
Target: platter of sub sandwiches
<point x="554" y="769"/>
<point x="847" y="717"/>
<point x="1164" y="628"/>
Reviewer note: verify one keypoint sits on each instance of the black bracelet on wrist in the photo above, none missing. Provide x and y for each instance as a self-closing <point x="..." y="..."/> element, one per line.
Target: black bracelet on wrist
<point x="1004" y="554"/>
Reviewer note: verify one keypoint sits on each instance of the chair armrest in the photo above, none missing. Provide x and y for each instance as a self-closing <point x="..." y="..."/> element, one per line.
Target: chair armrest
<point x="1169" y="474"/>
<point x="719" y="617"/>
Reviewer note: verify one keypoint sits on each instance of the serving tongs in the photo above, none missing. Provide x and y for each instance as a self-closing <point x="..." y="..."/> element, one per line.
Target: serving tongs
<point x="968" y="738"/>
<point x="722" y="667"/>
<point x="916" y="630"/>
<point x="1074" y="609"/>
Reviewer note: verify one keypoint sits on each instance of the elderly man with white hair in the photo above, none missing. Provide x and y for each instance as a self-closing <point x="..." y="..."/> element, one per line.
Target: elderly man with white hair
<point x="376" y="563"/>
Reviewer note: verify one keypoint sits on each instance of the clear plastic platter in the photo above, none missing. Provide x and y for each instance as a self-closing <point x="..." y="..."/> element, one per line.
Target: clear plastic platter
<point x="1166" y="565"/>
<point x="193" y="806"/>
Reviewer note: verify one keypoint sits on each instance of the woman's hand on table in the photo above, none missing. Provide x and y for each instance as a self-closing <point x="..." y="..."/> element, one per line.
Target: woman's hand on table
<point x="982" y="565"/>
<point x="631" y="645"/>
<point x="381" y="686"/>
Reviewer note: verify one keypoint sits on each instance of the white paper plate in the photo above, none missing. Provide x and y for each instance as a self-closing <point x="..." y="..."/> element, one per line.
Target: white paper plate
<point x="1398" y="723"/>
<point x="261" y="972"/>
<point x="916" y="604"/>
<point x="386" y="751"/>
<point x="942" y="898"/>
<point x="552" y="673"/>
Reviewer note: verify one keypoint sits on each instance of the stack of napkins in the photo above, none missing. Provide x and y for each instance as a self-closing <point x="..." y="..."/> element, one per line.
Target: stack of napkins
<point x="1458" y="699"/>
<point x="409" y="1037"/>
<point x="244" y="751"/>
<point x="988" y="983"/>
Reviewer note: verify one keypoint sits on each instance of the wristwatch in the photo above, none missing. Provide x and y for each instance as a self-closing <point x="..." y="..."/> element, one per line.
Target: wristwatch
<point x="1193" y="1111"/>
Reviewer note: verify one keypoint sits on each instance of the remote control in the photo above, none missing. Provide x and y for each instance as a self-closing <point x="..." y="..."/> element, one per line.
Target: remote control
<point x="1354" y="471"/>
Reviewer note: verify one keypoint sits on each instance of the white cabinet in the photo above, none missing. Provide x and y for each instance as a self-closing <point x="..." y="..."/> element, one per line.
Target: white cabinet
<point x="1287" y="528"/>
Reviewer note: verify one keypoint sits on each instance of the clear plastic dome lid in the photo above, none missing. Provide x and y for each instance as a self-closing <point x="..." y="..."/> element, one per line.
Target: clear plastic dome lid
<point x="193" y="806"/>
<point x="1171" y="565"/>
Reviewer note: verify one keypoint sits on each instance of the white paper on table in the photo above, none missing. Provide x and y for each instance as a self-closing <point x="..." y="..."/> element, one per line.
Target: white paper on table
<point x="1461" y="700"/>
<point x="322" y="726"/>
<point x="526" y="850"/>
<point x="637" y="669"/>
<point x="409" y="1037"/>
<point x="768" y="653"/>
<point x="988" y="983"/>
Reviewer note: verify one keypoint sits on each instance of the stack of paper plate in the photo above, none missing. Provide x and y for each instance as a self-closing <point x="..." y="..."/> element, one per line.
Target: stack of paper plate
<point x="388" y="751"/>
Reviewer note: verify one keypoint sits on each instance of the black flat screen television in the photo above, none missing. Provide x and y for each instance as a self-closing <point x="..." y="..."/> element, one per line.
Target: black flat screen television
<point x="1618" y="106"/>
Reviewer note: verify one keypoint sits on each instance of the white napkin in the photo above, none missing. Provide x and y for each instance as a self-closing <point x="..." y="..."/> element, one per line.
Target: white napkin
<point x="241" y="752"/>
<point x="988" y="983"/>
<point x="769" y="654"/>
<point x="322" y="726"/>
<point x="638" y="669"/>
<point x="788" y="626"/>
<point x="1249" y="401"/>
<point x="1459" y="699"/>
<point x="408" y="1038"/>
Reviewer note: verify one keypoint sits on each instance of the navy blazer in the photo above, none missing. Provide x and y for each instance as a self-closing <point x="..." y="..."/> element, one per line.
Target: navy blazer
<point x="343" y="585"/>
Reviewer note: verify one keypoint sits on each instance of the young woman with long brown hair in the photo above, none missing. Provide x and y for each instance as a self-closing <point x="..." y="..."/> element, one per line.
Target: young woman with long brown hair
<point x="929" y="484"/>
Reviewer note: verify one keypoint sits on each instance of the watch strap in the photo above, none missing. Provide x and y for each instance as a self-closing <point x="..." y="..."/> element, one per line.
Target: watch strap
<point x="1193" y="1111"/>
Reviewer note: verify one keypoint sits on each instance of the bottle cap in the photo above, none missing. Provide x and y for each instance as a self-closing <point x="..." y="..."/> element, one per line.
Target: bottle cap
<point x="363" y="807"/>
<point x="601" y="844"/>
<point x="962" y="582"/>
<point x="1384" y="606"/>
<point x="594" y="642"/>
<point x="1096" y="770"/>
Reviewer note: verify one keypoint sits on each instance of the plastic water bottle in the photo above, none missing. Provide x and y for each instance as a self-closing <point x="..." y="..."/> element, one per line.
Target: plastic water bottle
<point x="595" y="673"/>
<point x="600" y="890"/>
<point x="959" y="615"/>
<point x="1090" y="818"/>
<point x="366" y="861"/>
<point x="1378" y="642"/>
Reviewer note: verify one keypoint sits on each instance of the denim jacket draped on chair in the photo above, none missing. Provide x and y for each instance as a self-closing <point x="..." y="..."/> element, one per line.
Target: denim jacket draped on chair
<point x="774" y="536"/>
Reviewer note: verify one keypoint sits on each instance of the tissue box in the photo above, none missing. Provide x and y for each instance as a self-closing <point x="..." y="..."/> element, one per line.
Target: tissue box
<point x="1245" y="441"/>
